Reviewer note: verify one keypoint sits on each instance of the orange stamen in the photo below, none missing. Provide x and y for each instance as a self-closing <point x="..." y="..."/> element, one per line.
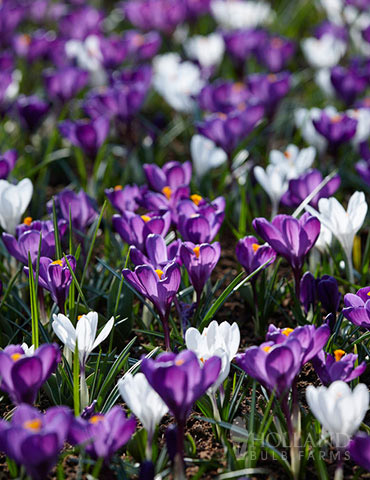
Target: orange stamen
<point x="146" y="218"/>
<point x="338" y="354"/>
<point x="196" y="250"/>
<point x="117" y="188"/>
<point x="57" y="262"/>
<point x="34" y="425"/>
<point x="266" y="349"/>
<point x="167" y="192"/>
<point x="159" y="273"/>
<point x="27" y="221"/>
<point x="196" y="198"/>
<point x="96" y="418"/>
<point x="287" y="331"/>
<point x="255" y="247"/>
<point x="15" y="356"/>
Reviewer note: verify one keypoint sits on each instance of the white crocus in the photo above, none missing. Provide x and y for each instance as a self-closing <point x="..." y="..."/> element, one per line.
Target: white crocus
<point x="88" y="55"/>
<point x="362" y="115"/>
<point x="144" y="402"/>
<point x="358" y="23"/>
<point x="324" y="52"/>
<point x="323" y="80"/>
<point x="275" y="183"/>
<point x="28" y="350"/>
<point x="207" y="50"/>
<point x="84" y="333"/>
<point x="333" y="10"/>
<point x="235" y="14"/>
<point x="343" y="224"/>
<point x="339" y="409"/>
<point x="303" y="120"/>
<point x="14" y="199"/>
<point x="293" y="161"/>
<point x="217" y="339"/>
<point x="178" y="82"/>
<point x="205" y="155"/>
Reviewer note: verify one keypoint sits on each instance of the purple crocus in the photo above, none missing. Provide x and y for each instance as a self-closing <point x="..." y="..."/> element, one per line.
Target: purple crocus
<point x="34" y="439"/>
<point x="359" y="449"/>
<point x="223" y="96"/>
<point x="168" y="200"/>
<point x="7" y="162"/>
<point x="290" y="238"/>
<point x="123" y="198"/>
<point x="65" y="84"/>
<point x="113" y="50"/>
<point x="275" y="52"/>
<point x="333" y="29"/>
<point x="159" y="286"/>
<point x="158" y="254"/>
<point x="199" y="261"/>
<point x="336" y="129"/>
<point x="102" y="435"/>
<point x="241" y="44"/>
<point x="89" y="135"/>
<point x="80" y="23"/>
<point x="363" y="169"/>
<point x="134" y="229"/>
<point x="348" y="83"/>
<point x="227" y="130"/>
<point x="324" y="289"/>
<point x="31" y="111"/>
<point x="142" y="46"/>
<point x="357" y="307"/>
<point x="56" y="277"/>
<point x="299" y="189"/>
<point x="268" y="89"/>
<point x="339" y="366"/>
<point x="77" y="205"/>
<point x="27" y="239"/>
<point x="168" y="178"/>
<point x="251" y="255"/>
<point x="199" y="220"/>
<point x="180" y="380"/>
<point x="22" y="375"/>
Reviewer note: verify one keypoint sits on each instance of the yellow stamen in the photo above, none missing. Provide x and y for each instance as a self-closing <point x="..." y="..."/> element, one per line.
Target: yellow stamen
<point x="146" y="218"/>
<point x="179" y="362"/>
<point x="238" y="87"/>
<point x="96" y="418"/>
<point x="266" y="348"/>
<point x="336" y="118"/>
<point x="34" y="425"/>
<point x="196" y="198"/>
<point x="255" y="247"/>
<point x="167" y="192"/>
<point x="202" y="359"/>
<point x="117" y="188"/>
<point x="57" y="262"/>
<point x="159" y="273"/>
<point x="338" y="354"/>
<point x="27" y="221"/>
<point x="196" y="250"/>
<point x="15" y="356"/>
<point x="79" y="317"/>
<point x="287" y="331"/>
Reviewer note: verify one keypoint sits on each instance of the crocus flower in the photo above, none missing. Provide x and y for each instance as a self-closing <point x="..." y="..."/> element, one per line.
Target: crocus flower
<point x="205" y="155"/>
<point x="224" y="96"/>
<point x="34" y="439"/>
<point x="180" y="380"/>
<point x="290" y="238"/>
<point x="84" y="333"/>
<point x="206" y="50"/>
<point x="359" y="448"/>
<point x="300" y="188"/>
<point x="221" y="340"/>
<point x="171" y="176"/>
<point x="357" y="307"/>
<point x="85" y="134"/>
<point x="123" y="198"/>
<point x="143" y="401"/>
<point x="240" y="14"/>
<point x="64" y="84"/>
<point x="199" y="261"/>
<point x="159" y="286"/>
<point x="275" y="52"/>
<point x="22" y="374"/>
<point x="27" y="239"/>
<point x="339" y="366"/>
<point x="14" y="199"/>
<point x="251" y="255"/>
<point x="157" y="252"/>
<point x="348" y="83"/>
<point x="274" y="366"/>
<point x="293" y="161"/>
<point x="241" y="44"/>
<point x="267" y="90"/>
<point x="337" y="128"/>
<point x="323" y="52"/>
<point x="142" y="46"/>
<point x="56" y="277"/>
<point x="7" y="163"/>
<point x="134" y="229"/>
<point x="81" y="22"/>
<point x="339" y="409"/>
<point x="343" y="224"/>
<point x="31" y="111"/>
<point x="102" y="435"/>
<point x="325" y="289"/>
<point x="304" y="121"/>
<point x="198" y="220"/>
<point x="274" y="181"/>
<point x="79" y="206"/>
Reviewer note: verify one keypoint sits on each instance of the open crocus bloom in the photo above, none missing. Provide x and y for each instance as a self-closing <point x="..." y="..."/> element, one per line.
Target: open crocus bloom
<point x="84" y="333"/>
<point x="357" y="307"/>
<point x="251" y="255"/>
<point x="339" y="409"/>
<point x="205" y="155"/>
<point x="339" y="366"/>
<point x="14" y="199"/>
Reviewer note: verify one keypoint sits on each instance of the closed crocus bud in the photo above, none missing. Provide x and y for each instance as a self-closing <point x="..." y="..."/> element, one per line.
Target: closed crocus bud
<point x="339" y="409"/>
<point x="339" y="366"/>
<point x="171" y="176"/>
<point x="7" y="162"/>
<point x="199" y="261"/>
<point x="14" y="199"/>
<point x="77" y="206"/>
<point x="34" y="439"/>
<point x="22" y="373"/>
<point x="31" y="111"/>
<point x="359" y="448"/>
<point x="242" y="43"/>
<point x="328" y="293"/>
<point x="357" y="307"/>
<point x="251" y="255"/>
<point x="307" y="294"/>
<point x="64" y="84"/>
<point x="89" y="135"/>
<point x="102" y="435"/>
